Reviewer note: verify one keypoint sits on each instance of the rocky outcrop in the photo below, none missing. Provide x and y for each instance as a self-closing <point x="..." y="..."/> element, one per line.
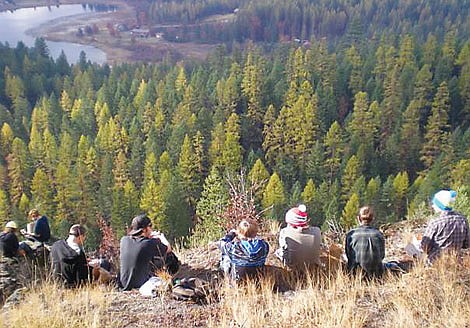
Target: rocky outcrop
<point x="9" y="269"/>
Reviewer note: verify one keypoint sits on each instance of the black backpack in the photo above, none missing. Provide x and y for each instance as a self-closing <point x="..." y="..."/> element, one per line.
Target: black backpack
<point x="190" y="289"/>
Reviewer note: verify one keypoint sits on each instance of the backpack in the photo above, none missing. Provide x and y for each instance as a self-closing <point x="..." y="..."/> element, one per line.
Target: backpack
<point x="190" y="289"/>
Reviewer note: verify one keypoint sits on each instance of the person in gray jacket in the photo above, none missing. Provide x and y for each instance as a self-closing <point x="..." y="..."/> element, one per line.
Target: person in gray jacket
<point x="299" y="243"/>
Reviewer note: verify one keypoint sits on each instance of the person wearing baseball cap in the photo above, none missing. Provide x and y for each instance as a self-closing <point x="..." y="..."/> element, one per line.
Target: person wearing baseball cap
<point x="9" y="241"/>
<point x="138" y="251"/>
<point x="299" y="243"/>
<point x="449" y="231"/>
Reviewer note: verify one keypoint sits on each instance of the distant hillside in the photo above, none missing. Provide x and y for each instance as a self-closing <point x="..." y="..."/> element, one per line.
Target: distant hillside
<point x="343" y="20"/>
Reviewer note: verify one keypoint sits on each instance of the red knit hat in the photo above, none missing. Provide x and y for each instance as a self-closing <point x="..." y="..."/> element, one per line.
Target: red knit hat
<point x="297" y="216"/>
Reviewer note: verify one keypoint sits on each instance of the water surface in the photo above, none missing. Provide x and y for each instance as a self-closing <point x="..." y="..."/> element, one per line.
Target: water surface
<point x="14" y="24"/>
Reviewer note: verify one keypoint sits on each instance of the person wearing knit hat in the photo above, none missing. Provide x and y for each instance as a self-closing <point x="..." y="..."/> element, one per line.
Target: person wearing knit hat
<point x="9" y="241"/>
<point x="449" y="231"/>
<point x="299" y="243"/>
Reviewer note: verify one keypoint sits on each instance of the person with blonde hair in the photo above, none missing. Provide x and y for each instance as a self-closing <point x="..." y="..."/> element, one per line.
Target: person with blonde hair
<point x="9" y="241"/>
<point x="243" y="253"/>
<point x="299" y="243"/>
<point x="365" y="246"/>
<point x="41" y="230"/>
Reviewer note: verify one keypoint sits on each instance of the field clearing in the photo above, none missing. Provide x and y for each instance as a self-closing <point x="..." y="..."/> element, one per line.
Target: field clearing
<point x="121" y="47"/>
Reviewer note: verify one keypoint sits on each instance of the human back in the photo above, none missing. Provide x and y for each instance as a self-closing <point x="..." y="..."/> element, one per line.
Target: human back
<point x="137" y="254"/>
<point x="299" y="243"/>
<point x="365" y="245"/>
<point x="302" y="246"/>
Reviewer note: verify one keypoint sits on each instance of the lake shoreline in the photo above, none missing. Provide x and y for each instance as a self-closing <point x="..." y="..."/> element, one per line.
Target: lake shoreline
<point x="119" y="47"/>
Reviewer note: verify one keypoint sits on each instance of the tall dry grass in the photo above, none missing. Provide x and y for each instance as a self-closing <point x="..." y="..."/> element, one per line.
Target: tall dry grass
<point x="425" y="297"/>
<point x="50" y="305"/>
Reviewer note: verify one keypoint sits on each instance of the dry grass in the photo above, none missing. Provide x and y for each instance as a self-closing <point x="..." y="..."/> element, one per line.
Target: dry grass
<point x="426" y="297"/>
<point x="51" y="306"/>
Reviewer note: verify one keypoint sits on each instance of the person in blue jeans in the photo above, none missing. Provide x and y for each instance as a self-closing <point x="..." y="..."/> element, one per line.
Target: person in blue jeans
<point x="243" y="253"/>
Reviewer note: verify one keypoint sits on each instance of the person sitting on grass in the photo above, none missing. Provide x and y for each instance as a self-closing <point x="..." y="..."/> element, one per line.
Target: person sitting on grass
<point x="449" y="231"/>
<point x="299" y="243"/>
<point x="138" y="253"/>
<point x="69" y="262"/>
<point x="9" y="241"/>
<point x="243" y="254"/>
<point x="365" y="246"/>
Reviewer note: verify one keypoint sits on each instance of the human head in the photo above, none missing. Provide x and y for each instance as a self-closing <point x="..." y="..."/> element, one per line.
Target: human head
<point x="366" y="215"/>
<point x="141" y="225"/>
<point x="33" y="214"/>
<point x="11" y="226"/>
<point x="297" y="216"/>
<point x="248" y="228"/>
<point x="444" y="200"/>
<point x="78" y="231"/>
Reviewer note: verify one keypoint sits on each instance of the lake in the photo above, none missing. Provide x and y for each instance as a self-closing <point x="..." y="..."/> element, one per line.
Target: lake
<point x="19" y="21"/>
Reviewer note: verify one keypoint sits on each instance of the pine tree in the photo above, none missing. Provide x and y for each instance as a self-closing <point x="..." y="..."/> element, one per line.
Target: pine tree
<point x="274" y="197"/>
<point x="333" y="150"/>
<point x="356" y="83"/>
<point x="151" y="202"/>
<point x="232" y="151"/>
<point x="400" y="187"/>
<point x="350" y="175"/>
<point x="348" y="218"/>
<point x="437" y="135"/>
<point x="213" y="201"/>
<point x="258" y="176"/>
<point x="42" y="193"/>
<point x="4" y="208"/>
<point x="187" y="170"/>
<point x="410" y="138"/>
<point x="251" y="85"/>
<point x="18" y="170"/>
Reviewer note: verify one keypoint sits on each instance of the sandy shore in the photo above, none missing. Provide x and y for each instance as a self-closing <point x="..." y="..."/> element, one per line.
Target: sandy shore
<point x="120" y="47"/>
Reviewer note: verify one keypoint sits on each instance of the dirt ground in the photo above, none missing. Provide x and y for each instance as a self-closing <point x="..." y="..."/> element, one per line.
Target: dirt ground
<point x="120" y="47"/>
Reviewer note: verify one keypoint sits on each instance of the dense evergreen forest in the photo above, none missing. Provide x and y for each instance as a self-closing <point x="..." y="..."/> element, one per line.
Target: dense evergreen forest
<point x="381" y="121"/>
<point x="280" y="20"/>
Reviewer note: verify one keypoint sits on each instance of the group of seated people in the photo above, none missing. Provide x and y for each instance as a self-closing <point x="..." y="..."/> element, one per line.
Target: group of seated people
<point x="144" y="251"/>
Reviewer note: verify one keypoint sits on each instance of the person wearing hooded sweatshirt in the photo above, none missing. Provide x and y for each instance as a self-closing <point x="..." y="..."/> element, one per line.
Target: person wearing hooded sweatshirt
<point x="447" y="232"/>
<point x="299" y="243"/>
<point x="243" y="253"/>
<point x="69" y="262"/>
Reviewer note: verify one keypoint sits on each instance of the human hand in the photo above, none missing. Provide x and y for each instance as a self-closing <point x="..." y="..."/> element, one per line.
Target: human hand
<point x="94" y="263"/>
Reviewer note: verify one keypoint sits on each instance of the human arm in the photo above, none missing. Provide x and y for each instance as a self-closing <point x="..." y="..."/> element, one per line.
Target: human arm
<point x="162" y="238"/>
<point x="227" y="239"/>
<point x="428" y="238"/>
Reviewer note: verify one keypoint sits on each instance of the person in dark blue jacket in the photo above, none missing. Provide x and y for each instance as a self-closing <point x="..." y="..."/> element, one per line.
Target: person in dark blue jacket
<point x="41" y="231"/>
<point x="243" y="253"/>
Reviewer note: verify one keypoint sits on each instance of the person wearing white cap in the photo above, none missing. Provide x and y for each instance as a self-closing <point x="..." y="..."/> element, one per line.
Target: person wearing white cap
<point x="447" y="232"/>
<point x="299" y="243"/>
<point x="9" y="240"/>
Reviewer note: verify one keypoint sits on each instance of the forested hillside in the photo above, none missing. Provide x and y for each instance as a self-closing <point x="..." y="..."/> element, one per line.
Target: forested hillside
<point x="381" y="121"/>
<point x="279" y="20"/>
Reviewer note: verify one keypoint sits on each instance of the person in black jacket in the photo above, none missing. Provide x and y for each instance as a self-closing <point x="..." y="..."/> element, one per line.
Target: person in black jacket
<point x="69" y="262"/>
<point x="138" y="254"/>
<point x="9" y="240"/>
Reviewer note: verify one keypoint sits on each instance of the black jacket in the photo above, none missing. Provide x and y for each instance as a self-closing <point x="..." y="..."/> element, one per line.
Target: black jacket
<point x="8" y="244"/>
<point x="69" y="266"/>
